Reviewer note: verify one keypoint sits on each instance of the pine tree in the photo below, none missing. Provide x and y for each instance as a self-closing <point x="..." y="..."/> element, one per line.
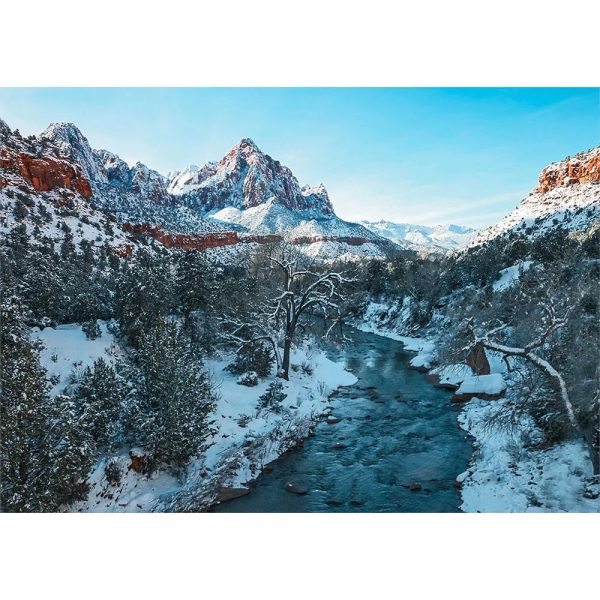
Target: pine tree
<point x="144" y="294"/>
<point x="71" y="453"/>
<point x="45" y="454"/>
<point x="23" y="415"/>
<point x="99" y="398"/>
<point x="170" y="396"/>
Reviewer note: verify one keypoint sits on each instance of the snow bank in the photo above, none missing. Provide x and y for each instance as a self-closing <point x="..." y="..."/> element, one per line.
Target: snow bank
<point x="508" y="477"/>
<point x="483" y="384"/>
<point x="452" y="375"/>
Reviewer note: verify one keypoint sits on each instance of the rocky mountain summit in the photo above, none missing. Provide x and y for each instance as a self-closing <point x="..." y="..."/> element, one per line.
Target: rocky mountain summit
<point x="245" y="178"/>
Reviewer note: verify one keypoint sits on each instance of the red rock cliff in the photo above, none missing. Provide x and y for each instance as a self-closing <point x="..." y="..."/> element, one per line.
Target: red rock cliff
<point x="45" y="173"/>
<point x="583" y="168"/>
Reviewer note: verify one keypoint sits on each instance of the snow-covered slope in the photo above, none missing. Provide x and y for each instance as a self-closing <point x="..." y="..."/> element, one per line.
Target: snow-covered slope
<point x="271" y="217"/>
<point x="440" y="238"/>
<point x="567" y="198"/>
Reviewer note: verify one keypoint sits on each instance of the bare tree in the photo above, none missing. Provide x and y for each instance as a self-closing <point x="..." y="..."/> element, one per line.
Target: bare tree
<point x="530" y="353"/>
<point x="301" y="291"/>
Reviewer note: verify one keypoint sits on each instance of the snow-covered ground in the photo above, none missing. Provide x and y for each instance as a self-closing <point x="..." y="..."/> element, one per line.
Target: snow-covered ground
<point x="245" y="437"/>
<point x="66" y="351"/>
<point x="509" y="276"/>
<point x="507" y="477"/>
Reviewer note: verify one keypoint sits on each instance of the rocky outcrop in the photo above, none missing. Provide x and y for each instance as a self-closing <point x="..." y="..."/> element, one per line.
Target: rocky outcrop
<point x="581" y="168"/>
<point x="198" y="241"/>
<point x="244" y="178"/>
<point x="45" y="173"/>
<point x="203" y="241"/>
<point x="478" y="361"/>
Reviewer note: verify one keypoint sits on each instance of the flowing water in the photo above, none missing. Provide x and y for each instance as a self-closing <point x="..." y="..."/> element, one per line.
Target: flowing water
<point x="395" y="430"/>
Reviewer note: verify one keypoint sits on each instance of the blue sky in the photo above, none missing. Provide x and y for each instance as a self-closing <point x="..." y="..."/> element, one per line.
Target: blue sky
<point x="428" y="156"/>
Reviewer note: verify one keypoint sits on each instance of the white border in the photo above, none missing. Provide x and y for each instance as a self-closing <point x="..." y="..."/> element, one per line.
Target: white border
<point x="313" y="42"/>
<point x="321" y="43"/>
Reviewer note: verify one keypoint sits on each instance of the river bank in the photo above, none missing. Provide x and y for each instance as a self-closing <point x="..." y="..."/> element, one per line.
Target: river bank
<point x="511" y="469"/>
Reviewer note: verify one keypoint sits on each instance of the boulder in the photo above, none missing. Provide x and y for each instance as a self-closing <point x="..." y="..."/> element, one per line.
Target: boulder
<point x="229" y="493"/>
<point x="294" y="489"/>
<point x="478" y="361"/>
<point x="138" y="459"/>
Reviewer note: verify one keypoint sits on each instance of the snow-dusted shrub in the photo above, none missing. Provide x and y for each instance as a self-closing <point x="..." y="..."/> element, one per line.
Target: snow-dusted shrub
<point x="249" y="379"/>
<point x="113" y="472"/>
<point x="257" y="358"/>
<point x="244" y="420"/>
<point x="273" y="397"/>
<point x="91" y="329"/>
<point x="307" y="368"/>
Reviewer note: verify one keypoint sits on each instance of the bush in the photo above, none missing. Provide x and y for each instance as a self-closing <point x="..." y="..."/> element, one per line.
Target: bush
<point x="249" y="379"/>
<point x="273" y="397"/>
<point x="112" y="472"/>
<point x="257" y="358"/>
<point x="244" y="420"/>
<point x="91" y="329"/>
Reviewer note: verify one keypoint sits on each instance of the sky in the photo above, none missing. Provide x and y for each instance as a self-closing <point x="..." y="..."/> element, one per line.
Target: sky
<point x="418" y="155"/>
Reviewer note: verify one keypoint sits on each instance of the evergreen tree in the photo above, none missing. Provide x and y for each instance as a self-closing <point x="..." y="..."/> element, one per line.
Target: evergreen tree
<point x="24" y="416"/>
<point x="170" y="395"/>
<point x="144" y="294"/>
<point x="71" y="453"/>
<point x="45" y="453"/>
<point x="99" y="398"/>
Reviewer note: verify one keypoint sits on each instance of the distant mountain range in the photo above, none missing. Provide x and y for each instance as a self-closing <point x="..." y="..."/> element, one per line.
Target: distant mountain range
<point x="440" y="238"/>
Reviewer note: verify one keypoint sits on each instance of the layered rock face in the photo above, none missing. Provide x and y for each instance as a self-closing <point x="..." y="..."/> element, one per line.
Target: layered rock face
<point x="245" y="178"/>
<point x="581" y="168"/>
<point x="45" y="173"/>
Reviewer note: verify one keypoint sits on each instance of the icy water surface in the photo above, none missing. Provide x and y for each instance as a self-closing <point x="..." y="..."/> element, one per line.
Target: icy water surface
<point x="396" y="429"/>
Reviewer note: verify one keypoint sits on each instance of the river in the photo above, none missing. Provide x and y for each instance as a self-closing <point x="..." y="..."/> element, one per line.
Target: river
<point x="395" y="429"/>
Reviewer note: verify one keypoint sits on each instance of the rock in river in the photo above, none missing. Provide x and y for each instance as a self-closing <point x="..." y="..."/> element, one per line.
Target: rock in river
<point x="229" y="493"/>
<point x="294" y="489"/>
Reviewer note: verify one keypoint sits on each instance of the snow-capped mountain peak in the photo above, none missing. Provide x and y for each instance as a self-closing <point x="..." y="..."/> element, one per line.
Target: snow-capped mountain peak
<point x="244" y="178"/>
<point x="74" y="146"/>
